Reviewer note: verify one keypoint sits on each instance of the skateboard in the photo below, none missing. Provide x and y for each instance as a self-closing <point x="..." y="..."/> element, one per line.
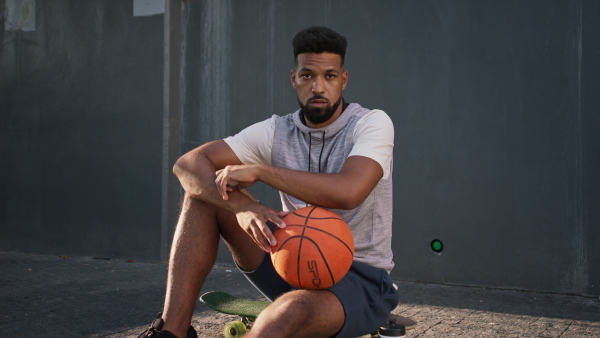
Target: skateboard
<point x="248" y="310"/>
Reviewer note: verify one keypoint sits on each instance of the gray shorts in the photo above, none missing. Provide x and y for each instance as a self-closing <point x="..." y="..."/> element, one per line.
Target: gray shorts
<point x="367" y="294"/>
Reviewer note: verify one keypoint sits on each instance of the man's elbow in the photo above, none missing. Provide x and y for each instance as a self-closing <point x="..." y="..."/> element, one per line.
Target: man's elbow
<point x="349" y="205"/>
<point x="350" y="201"/>
<point x="180" y="166"/>
<point x="177" y="168"/>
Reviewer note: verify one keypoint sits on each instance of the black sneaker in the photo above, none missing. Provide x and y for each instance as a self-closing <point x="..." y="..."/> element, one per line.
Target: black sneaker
<point x="154" y="331"/>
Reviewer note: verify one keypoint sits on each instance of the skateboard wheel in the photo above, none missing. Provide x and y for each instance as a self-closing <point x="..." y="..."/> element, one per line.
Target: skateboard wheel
<point x="234" y="329"/>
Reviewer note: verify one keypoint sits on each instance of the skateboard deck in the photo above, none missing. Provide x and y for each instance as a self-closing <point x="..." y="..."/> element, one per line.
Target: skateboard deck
<point x="226" y="303"/>
<point x="248" y="310"/>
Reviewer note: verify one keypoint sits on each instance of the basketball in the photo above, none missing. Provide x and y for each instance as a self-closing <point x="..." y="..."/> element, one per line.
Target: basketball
<point x="314" y="250"/>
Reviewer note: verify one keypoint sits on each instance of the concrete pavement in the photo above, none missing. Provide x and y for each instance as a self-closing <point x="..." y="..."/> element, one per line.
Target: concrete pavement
<point x="53" y="296"/>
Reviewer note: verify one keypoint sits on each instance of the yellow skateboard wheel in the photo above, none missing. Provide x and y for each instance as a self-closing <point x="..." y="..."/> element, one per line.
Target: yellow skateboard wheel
<point x="234" y="329"/>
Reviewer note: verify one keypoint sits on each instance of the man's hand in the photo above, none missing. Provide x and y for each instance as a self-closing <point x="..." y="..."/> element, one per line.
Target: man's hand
<point x="235" y="177"/>
<point x="253" y="220"/>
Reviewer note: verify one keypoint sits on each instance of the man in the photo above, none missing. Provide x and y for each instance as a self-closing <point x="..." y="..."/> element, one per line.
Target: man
<point x="329" y="154"/>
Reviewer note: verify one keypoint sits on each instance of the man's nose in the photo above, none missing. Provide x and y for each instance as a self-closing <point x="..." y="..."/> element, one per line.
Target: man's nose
<point x="317" y="87"/>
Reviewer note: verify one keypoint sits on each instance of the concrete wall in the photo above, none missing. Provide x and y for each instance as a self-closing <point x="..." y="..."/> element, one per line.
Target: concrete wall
<point x="81" y="132"/>
<point x="494" y="108"/>
<point x="494" y="102"/>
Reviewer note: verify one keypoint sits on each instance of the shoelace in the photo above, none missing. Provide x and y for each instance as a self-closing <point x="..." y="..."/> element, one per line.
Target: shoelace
<point x="154" y="327"/>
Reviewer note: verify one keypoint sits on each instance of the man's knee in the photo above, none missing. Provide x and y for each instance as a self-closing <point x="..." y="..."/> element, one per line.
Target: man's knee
<point x="309" y="302"/>
<point x="294" y="301"/>
<point x="194" y="206"/>
<point x="201" y="213"/>
<point x="318" y="313"/>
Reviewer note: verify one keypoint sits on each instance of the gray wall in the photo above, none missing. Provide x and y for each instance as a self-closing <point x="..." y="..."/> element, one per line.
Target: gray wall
<point x="496" y="114"/>
<point x="81" y="102"/>
<point x="497" y="144"/>
<point x="493" y="104"/>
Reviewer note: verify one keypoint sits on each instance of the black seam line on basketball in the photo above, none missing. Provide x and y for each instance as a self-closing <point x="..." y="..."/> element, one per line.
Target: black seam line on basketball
<point x="313" y="208"/>
<point x="287" y="240"/>
<point x="300" y="244"/>
<point x="308" y="216"/>
<point x="301" y="216"/>
<point x="320" y="252"/>
<point x="282" y="245"/>
<point x="296" y="225"/>
<point x="324" y="260"/>
<point x="335" y="237"/>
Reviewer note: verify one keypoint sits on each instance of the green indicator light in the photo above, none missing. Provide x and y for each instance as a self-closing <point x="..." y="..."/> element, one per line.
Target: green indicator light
<point x="437" y="245"/>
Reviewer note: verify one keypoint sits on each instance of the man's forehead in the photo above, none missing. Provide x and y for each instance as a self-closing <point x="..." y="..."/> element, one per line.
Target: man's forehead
<point x="327" y="61"/>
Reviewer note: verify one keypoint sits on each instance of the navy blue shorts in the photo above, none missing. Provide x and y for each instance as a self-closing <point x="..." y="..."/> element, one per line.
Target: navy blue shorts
<point x="367" y="294"/>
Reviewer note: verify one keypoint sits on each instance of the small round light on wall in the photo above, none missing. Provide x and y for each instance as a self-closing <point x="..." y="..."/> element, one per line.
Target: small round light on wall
<point x="437" y="246"/>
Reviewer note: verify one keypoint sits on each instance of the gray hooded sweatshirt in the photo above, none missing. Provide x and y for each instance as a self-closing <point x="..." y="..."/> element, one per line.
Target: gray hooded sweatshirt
<point x="324" y="150"/>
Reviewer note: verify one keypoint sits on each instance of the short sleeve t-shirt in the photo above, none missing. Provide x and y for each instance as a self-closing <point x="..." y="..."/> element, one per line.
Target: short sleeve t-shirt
<point x="373" y="138"/>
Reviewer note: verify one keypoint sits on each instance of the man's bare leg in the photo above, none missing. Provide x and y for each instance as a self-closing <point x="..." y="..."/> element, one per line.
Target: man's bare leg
<point x="193" y="254"/>
<point x="301" y="313"/>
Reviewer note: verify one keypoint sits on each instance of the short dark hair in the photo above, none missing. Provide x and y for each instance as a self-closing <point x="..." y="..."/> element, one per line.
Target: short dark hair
<point x="319" y="39"/>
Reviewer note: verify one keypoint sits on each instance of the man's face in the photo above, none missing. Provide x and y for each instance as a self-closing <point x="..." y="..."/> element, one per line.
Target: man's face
<point x="319" y="80"/>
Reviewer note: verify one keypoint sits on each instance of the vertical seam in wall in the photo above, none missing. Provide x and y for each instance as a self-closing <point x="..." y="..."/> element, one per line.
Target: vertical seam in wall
<point x="580" y="277"/>
<point x="166" y="132"/>
<point x="173" y="91"/>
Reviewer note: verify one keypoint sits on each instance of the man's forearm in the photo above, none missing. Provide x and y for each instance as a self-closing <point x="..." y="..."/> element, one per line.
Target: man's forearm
<point x="344" y="190"/>
<point x="326" y="190"/>
<point x="197" y="177"/>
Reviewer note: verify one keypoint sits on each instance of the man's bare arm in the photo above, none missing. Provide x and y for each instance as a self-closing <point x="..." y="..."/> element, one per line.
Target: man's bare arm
<point x="196" y="172"/>
<point x="344" y="190"/>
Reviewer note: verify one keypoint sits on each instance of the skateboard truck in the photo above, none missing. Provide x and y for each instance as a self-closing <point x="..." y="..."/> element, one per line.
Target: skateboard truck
<point x="392" y="330"/>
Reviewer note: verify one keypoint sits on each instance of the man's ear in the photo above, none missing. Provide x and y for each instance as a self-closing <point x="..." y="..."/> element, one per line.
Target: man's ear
<point x="293" y="77"/>
<point x="344" y="79"/>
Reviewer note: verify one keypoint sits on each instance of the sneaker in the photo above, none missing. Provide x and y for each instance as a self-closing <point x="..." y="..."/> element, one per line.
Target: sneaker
<point x="154" y="331"/>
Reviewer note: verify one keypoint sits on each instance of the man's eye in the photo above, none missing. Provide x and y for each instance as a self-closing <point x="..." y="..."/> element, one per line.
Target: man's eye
<point x="331" y="76"/>
<point x="305" y="76"/>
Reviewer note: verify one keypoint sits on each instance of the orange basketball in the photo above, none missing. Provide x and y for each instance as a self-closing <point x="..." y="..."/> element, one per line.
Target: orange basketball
<point x="314" y="250"/>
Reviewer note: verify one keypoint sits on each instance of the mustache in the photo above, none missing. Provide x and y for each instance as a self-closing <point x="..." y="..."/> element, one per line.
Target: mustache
<point x="318" y="97"/>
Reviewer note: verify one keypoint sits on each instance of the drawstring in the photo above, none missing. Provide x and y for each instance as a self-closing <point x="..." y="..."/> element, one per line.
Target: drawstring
<point x="310" y="149"/>
<point x="309" y="146"/>
<point x="322" y="147"/>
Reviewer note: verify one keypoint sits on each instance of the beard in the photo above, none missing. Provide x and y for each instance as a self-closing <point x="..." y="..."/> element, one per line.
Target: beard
<point x="318" y="115"/>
